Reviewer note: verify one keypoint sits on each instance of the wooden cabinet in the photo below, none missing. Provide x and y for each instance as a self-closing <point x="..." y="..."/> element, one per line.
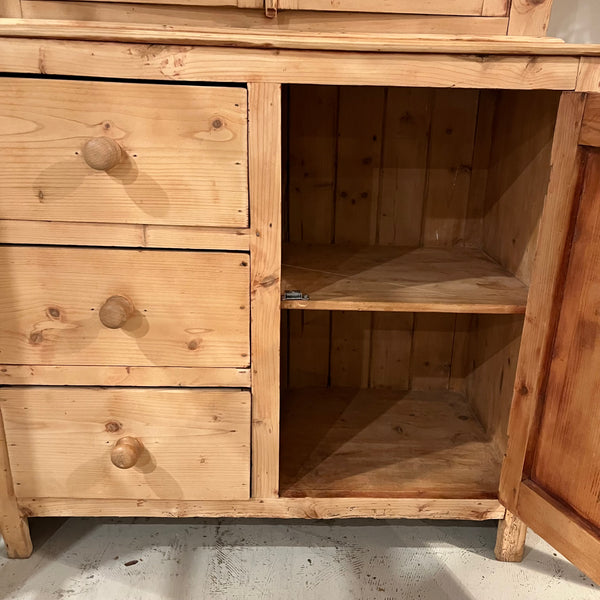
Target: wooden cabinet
<point x="399" y="324"/>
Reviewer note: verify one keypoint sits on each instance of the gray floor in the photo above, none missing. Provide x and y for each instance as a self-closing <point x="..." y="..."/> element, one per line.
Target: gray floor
<point x="130" y="559"/>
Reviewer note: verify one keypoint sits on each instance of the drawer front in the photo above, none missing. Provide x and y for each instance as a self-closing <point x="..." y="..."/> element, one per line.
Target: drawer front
<point x="180" y="153"/>
<point x="90" y="306"/>
<point x="169" y="443"/>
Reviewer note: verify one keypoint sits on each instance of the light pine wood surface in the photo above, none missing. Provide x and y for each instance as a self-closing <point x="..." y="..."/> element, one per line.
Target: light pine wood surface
<point x="221" y="17"/>
<point x="46" y="125"/>
<point x="51" y="299"/>
<point x="265" y="285"/>
<point x="212" y="64"/>
<point x="544" y="300"/>
<point x="62" y="233"/>
<point x="126" y="376"/>
<point x="60" y="440"/>
<point x="379" y="443"/>
<point x="472" y="509"/>
<point x="395" y="278"/>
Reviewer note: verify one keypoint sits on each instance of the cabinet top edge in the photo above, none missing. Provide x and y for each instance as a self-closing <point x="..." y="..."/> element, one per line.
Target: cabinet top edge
<point x="296" y="40"/>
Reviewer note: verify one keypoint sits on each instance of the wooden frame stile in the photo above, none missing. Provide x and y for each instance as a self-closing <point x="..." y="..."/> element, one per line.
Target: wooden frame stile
<point x="264" y="147"/>
<point x="529" y="17"/>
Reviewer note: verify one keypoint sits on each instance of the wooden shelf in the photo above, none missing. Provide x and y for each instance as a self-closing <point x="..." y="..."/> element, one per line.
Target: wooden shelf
<point x="377" y="443"/>
<point x="392" y="278"/>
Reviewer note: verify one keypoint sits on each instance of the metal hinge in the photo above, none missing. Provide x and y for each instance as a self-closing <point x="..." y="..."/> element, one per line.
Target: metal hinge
<point x="294" y="295"/>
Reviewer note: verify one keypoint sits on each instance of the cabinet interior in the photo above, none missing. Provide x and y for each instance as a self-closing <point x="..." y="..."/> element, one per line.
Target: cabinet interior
<point x="410" y="221"/>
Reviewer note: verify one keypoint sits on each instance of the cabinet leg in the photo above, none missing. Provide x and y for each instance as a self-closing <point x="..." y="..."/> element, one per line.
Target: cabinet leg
<point x="15" y="530"/>
<point x="510" y="541"/>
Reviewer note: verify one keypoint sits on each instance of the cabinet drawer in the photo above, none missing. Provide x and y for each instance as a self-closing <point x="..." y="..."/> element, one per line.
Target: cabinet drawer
<point x="181" y="152"/>
<point x="169" y="443"/>
<point x="90" y="306"/>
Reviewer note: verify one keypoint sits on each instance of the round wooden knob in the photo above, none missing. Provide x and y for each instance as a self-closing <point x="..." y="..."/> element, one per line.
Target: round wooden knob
<point x="102" y="153"/>
<point x="115" y="312"/>
<point x="126" y="452"/>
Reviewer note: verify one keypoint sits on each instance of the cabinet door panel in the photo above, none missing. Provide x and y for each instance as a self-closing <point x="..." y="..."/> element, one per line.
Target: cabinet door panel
<point x="551" y="474"/>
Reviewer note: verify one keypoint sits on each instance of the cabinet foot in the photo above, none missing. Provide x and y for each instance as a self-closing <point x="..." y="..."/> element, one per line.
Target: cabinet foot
<point x="15" y="531"/>
<point x="510" y="541"/>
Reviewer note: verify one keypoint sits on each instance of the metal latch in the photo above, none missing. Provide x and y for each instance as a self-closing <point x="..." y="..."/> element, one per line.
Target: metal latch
<point x="294" y="295"/>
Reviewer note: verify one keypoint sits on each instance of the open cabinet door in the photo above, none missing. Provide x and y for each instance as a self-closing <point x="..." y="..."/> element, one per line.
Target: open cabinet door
<point x="551" y="472"/>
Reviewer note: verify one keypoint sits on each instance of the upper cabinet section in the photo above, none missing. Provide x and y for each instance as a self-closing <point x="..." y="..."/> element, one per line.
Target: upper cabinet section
<point x="450" y="17"/>
<point x="104" y="152"/>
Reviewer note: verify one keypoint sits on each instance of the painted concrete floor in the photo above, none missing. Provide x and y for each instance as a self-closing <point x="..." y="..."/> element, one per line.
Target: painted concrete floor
<point x="152" y="559"/>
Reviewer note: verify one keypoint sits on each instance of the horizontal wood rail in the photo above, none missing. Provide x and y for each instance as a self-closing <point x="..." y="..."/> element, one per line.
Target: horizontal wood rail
<point x="257" y="38"/>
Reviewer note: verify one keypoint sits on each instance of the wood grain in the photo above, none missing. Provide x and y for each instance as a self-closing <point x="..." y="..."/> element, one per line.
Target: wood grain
<point x="13" y="525"/>
<point x="473" y="509"/>
<point x="264" y="123"/>
<point x="180" y="63"/>
<point x="529" y="17"/>
<point x="60" y="442"/>
<point x="218" y="16"/>
<point x="546" y="289"/>
<point x="124" y="376"/>
<point x="510" y="542"/>
<point x="519" y="168"/>
<point x="464" y="7"/>
<point x="588" y="78"/>
<point x="376" y="443"/>
<point x="590" y="128"/>
<point x="261" y="37"/>
<point x="450" y="156"/>
<point x="352" y="277"/>
<point x="561" y="527"/>
<point x="60" y="233"/>
<point x="51" y="298"/>
<point x="46" y="124"/>
<point x="566" y="451"/>
<point x="10" y="9"/>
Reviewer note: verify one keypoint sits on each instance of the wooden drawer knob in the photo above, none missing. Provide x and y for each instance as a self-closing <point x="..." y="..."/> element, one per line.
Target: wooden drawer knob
<point x="126" y="452"/>
<point x="115" y="312"/>
<point x="102" y="153"/>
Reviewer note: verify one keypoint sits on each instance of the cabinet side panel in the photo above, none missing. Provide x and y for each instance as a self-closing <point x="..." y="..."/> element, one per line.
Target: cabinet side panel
<point x="518" y="177"/>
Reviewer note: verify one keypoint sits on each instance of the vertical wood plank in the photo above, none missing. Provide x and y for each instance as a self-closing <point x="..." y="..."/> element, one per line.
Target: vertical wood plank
<point x="494" y="8"/>
<point x="494" y="343"/>
<point x="313" y="131"/>
<point x="264" y="150"/>
<point x="312" y="144"/>
<point x="13" y="526"/>
<point x="529" y="17"/>
<point x="546" y="287"/>
<point x="359" y="146"/>
<point x="520" y="167"/>
<point x="309" y="348"/>
<point x="433" y="338"/>
<point x="359" y="159"/>
<point x="449" y="166"/>
<point x="350" y="349"/>
<point x="404" y="165"/>
<point x="391" y="340"/>
<point x="484" y="136"/>
<point x="11" y="9"/>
